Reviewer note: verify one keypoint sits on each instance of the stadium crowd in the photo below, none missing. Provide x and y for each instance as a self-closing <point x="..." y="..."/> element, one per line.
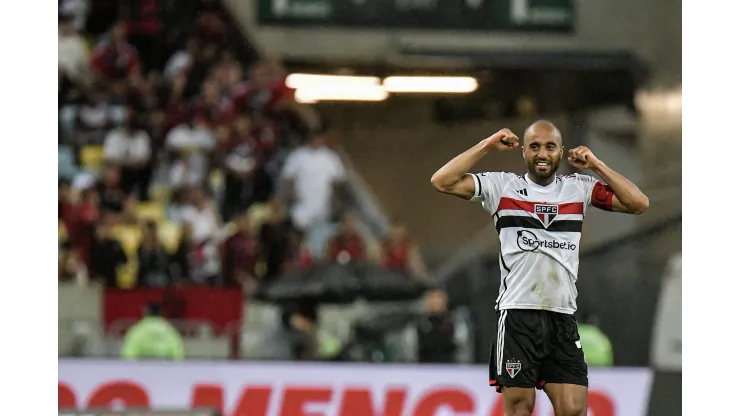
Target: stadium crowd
<point x="180" y="163"/>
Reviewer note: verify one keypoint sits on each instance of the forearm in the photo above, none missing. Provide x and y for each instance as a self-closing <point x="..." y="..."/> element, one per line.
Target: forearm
<point x="627" y="192"/>
<point x="454" y="171"/>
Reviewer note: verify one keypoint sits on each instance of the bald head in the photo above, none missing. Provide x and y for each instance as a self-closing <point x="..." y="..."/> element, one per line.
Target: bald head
<point x="542" y="129"/>
<point x="542" y="150"/>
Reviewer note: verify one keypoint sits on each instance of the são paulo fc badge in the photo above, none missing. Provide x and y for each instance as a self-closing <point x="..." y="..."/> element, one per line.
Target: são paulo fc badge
<point x="546" y="213"/>
<point x="513" y="367"/>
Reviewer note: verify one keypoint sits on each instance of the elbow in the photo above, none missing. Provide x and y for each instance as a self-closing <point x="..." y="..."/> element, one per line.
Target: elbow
<point x="438" y="183"/>
<point x="641" y="206"/>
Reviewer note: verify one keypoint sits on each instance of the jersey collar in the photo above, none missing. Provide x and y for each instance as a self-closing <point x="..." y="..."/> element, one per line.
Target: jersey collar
<point x="539" y="188"/>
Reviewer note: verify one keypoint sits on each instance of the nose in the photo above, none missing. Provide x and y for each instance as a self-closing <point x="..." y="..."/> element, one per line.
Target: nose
<point x="542" y="154"/>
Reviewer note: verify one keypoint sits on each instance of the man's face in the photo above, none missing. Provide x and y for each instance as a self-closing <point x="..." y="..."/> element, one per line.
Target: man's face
<point x="543" y="149"/>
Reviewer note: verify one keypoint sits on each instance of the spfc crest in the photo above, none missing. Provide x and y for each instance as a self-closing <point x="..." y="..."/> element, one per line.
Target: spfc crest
<point x="546" y="213"/>
<point x="513" y="368"/>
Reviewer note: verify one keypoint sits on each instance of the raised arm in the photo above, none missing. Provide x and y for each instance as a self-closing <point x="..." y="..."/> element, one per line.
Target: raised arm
<point x="620" y="195"/>
<point x="452" y="178"/>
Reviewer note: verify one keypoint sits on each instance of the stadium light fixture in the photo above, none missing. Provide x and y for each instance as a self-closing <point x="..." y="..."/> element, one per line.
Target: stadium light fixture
<point x="341" y="93"/>
<point x="311" y="88"/>
<point x="430" y="85"/>
<point x="299" y="81"/>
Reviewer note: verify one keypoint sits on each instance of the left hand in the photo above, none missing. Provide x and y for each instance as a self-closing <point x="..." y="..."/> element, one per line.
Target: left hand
<point x="582" y="158"/>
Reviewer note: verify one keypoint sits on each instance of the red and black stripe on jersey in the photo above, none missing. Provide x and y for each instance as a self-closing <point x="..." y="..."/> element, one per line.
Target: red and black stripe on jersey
<point x="511" y="204"/>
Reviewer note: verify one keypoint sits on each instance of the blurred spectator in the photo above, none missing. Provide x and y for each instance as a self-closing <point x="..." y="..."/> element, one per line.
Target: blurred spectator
<point x="68" y="168"/>
<point x="200" y="69"/>
<point x="347" y="245"/>
<point x="106" y="254"/>
<point x="210" y="25"/>
<point x="129" y="147"/>
<point x="153" y="259"/>
<point x="181" y="60"/>
<point x="146" y="30"/>
<point x="595" y="344"/>
<point x="227" y="73"/>
<point x="436" y="330"/>
<point x="73" y="51"/>
<point x="114" y="58"/>
<point x="71" y="268"/>
<point x="205" y="223"/>
<point x="297" y="255"/>
<point x="210" y="107"/>
<point x="76" y="10"/>
<point x="239" y="167"/>
<point x="82" y="228"/>
<point x="191" y="144"/>
<point x="275" y="239"/>
<point x="299" y="337"/>
<point x="113" y="198"/>
<point x="201" y="216"/>
<point x="96" y="115"/>
<point x="240" y="254"/>
<point x="153" y="337"/>
<point x="180" y="267"/>
<point x="311" y="174"/>
<point x="67" y="209"/>
<point x="399" y="252"/>
<point x="267" y="92"/>
<point x="181" y="198"/>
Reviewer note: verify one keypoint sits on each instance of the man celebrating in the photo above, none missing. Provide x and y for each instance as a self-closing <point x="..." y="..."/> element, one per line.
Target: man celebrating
<point x="539" y="217"/>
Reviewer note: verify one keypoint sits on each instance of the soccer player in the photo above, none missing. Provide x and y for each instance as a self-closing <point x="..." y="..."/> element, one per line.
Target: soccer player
<point x="538" y="217"/>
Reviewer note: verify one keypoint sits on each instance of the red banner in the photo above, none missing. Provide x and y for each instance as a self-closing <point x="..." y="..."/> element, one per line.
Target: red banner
<point x="222" y="308"/>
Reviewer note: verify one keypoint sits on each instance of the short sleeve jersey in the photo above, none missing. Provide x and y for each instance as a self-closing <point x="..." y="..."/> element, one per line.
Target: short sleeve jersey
<point x="540" y="231"/>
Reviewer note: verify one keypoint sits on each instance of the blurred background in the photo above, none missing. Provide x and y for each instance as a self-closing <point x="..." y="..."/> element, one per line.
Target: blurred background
<point x="246" y="182"/>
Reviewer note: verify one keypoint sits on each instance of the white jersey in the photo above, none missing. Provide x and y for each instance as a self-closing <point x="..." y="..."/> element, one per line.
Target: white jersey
<point x="540" y="232"/>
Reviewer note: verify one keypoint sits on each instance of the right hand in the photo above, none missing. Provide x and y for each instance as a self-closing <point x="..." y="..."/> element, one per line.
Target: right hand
<point x="503" y="139"/>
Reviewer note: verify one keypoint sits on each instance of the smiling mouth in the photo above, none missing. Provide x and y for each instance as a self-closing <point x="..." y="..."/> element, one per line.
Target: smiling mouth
<point x="542" y="164"/>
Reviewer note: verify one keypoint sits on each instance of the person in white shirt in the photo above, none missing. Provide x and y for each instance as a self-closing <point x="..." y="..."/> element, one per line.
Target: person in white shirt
<point x="74" y="53"/>
<point x="76" y="10"/>
<point x="203" y="219"/>
<point x="129" y="147"/>
<point x="311" y="173"/>
<point x="182" y="59"/>
<point x="191" y="144"/>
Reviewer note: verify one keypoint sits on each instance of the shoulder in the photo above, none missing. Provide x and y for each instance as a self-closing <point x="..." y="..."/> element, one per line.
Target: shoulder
<point x="578" y="179"/>
<point x="498" y="177"/>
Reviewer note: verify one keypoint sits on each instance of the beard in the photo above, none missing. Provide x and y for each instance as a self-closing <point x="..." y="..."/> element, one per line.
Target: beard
<point x="542" y="173"/>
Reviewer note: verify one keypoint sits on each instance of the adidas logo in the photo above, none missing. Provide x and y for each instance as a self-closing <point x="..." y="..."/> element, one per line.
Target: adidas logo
<point x="522" y="192"/>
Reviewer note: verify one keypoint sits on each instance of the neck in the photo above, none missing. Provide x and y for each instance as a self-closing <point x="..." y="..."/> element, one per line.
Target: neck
<point x="541" y="181"/>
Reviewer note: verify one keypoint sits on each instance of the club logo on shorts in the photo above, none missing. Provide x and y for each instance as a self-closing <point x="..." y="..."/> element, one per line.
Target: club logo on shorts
<point x="546" y="213"/>
<point x="513" y="367"/>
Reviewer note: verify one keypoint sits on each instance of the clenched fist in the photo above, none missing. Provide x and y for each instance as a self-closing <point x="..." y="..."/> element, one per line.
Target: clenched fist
<point x="582" y="158"/>
<point x="503" y="139"/>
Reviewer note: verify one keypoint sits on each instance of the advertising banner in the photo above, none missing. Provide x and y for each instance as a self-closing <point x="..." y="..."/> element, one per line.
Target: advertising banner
<point x="312" y="389"/>
<point x="139" y="413"/>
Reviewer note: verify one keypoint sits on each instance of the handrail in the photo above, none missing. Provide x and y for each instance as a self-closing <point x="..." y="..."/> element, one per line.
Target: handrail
<point x="369" y="206"/>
